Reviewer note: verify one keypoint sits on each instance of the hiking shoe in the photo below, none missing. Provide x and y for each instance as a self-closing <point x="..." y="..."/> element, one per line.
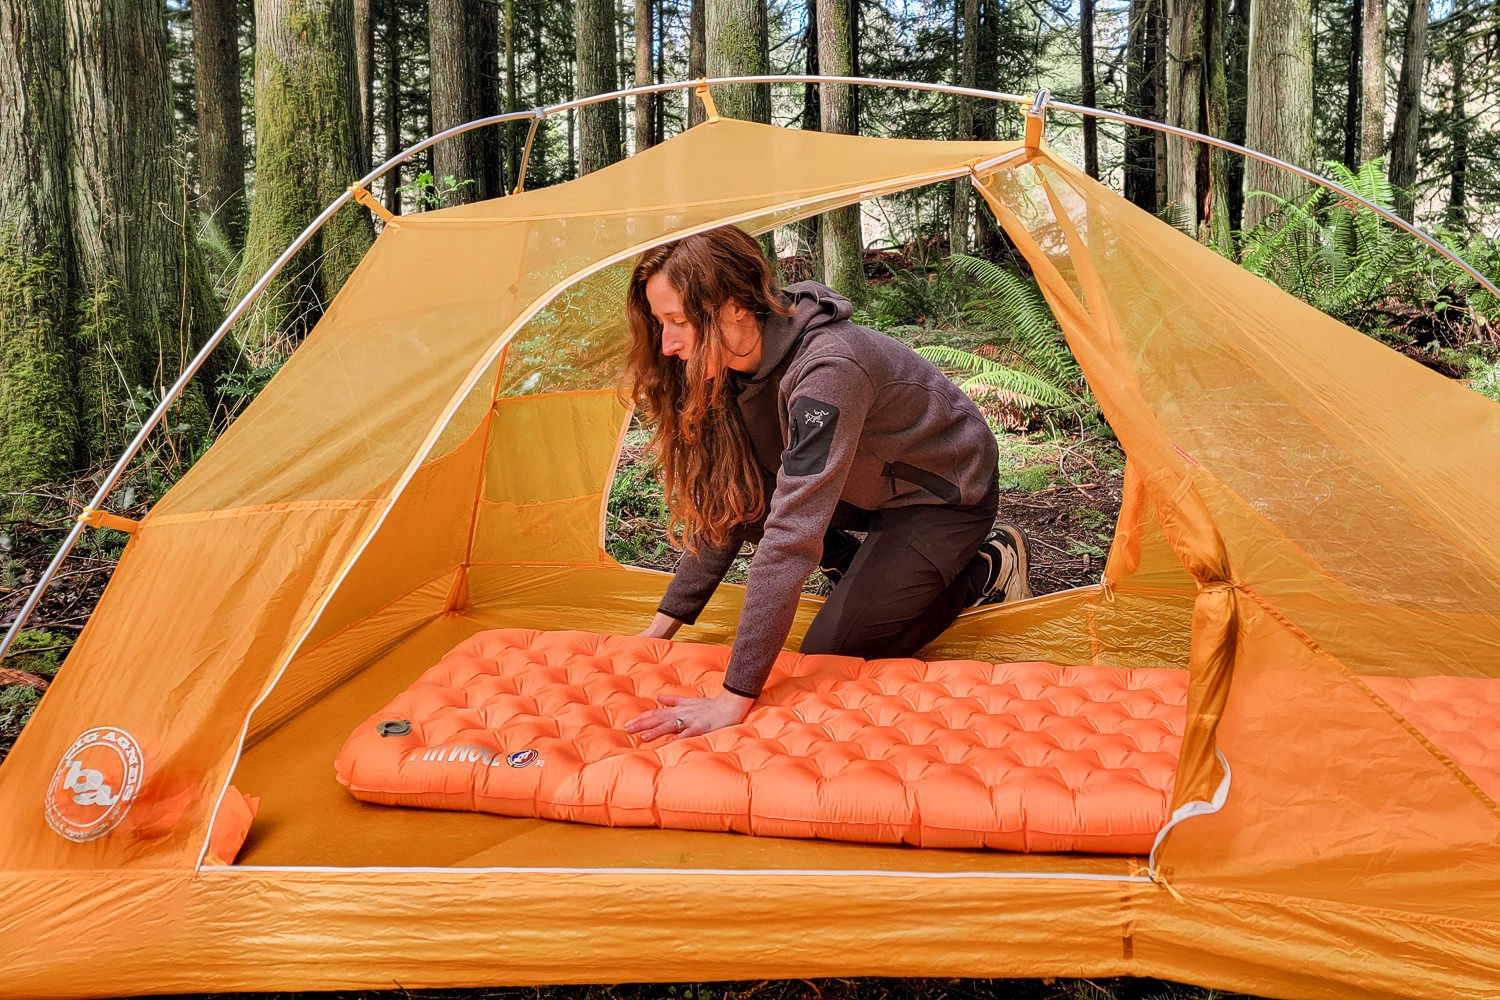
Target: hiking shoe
<point x="1009" y="561"/>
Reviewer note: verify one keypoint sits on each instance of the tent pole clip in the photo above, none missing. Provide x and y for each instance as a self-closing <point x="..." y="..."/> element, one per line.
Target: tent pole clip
<point x="708" y="101"/>
<point x="104" y="519"/>
<point x="1036" y="117"/>
<point x="368" y="200"/>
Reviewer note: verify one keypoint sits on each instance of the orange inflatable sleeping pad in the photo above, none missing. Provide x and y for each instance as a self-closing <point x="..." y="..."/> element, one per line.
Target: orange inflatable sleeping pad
<point x="1013" y="756"/>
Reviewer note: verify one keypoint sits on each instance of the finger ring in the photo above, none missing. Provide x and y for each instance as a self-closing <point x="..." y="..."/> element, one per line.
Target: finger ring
<point x="681" y="725"/>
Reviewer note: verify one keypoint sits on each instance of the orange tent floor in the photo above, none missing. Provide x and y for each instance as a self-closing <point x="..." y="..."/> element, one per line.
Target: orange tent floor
<point x="307" y="819"/>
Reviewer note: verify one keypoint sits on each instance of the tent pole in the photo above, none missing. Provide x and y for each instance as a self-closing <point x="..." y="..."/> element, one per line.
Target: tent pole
<point x="1308" y="175"/>
<point x="537" y="114"/>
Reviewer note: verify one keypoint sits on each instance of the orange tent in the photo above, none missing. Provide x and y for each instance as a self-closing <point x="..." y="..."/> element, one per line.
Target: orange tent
<point x="1305" y="510"/>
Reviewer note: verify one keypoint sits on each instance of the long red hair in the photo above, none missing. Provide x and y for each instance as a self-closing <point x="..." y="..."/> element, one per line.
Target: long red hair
<point x="709" y="472"/>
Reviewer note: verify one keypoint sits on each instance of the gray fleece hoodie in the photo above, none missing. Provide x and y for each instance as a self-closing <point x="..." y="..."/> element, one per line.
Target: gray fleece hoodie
<point x="836" y="412"/>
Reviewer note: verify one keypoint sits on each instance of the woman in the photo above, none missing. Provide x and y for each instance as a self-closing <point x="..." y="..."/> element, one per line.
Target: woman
<point x="780" y="422"/>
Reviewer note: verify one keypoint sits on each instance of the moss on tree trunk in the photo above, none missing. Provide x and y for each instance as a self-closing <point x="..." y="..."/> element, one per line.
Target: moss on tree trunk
<point x="38" y="418"/>
<point x="307" y="135"/>
<point x="736" y="44"/>
<point x="103" y="296"/>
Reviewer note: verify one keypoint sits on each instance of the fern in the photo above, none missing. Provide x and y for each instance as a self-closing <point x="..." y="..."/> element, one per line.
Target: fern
<point x="1023" y="363"/>
<point x="1331" y="252"/>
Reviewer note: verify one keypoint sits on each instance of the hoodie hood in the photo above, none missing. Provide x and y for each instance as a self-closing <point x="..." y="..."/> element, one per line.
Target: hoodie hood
<point x="813" y="305"/>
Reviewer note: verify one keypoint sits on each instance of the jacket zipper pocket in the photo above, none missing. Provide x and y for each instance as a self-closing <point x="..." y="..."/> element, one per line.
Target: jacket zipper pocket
<point x="929" y="481"/>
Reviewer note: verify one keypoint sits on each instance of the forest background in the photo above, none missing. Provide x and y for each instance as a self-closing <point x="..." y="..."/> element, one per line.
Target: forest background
<point x="157" y="155"/>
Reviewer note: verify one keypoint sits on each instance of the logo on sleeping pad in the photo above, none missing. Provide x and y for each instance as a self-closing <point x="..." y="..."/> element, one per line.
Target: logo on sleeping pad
<point x="474" y="753"/>
<point x="95" y="784"/>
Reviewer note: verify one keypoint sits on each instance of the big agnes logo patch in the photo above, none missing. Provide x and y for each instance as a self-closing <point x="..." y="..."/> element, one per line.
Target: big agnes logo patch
<point x="95" y="784"/>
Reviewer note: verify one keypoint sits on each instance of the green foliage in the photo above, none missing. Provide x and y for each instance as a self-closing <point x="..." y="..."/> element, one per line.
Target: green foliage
<point x="577" y="342"/>
<point x="430" y="192"/>
<point x="181" y="437"/>
<point x="913" y="301"/>
<point x="1453" y="288"/>
<point x="239" y="386"/>
<point x="1346" y="260"/>
<point x="1484" y="378"/>
<point x="38" y="651"/>
<point x="17" y="702"/>
<point x="1022" y="362"/>
<point x="1330" y="252"/>
<point x="220" y="256"/>
<point x="1480" y="365"/>
<point x="636" y="516"/>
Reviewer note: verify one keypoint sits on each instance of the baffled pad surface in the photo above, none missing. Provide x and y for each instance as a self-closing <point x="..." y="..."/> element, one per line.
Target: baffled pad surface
<point x="1016" y="756"/>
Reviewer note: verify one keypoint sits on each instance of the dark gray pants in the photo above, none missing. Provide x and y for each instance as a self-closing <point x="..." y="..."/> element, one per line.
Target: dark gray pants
<point x="916" y="569"/>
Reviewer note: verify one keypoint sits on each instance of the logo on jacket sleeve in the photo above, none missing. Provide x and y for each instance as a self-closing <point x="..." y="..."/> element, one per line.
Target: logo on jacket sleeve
<point x="95" y="784"/>
<point x="810" y="427"/>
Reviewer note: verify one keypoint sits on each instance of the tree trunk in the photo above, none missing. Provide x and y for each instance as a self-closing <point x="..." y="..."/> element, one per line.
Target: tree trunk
<point x="987" y="234"/>
<point x="659" y="101"/>
<point x="1159" y="46"/>
<point x="1279" y="112"/>
<point x="963" y="191"/>
<point x="1458" y="154"/>
<point x="645" y="128"/>
<point x="1090" y="90"/>
<point x="1351" y="85"/>
<point x="538" y="156"/>
<point x="734" y="33"/>
<point x="599" y="125"/>
<point x="491" y="138"/>
<point x="390" y="86"/>
<point x="221" y="141"/>
<point x="1237" y="60"/>
<point x="512" y="131"/>
<point x="452" y="40"/>
<point x="1185" y="106"/>
<point x="364" y="69"/>
<point x="855" y="97"/>
<point x="697" y="60"/>
<point x="1372" y="82"/>
<point x="1140" y="100"/>
<point x="1218" y="218"/>
<point x="843" y="239"/>
<point x="144" y="301"/>
<point x="1406" y="134"/>
<point x="810" y="229"/>
<point x="1197" y="97"/>
<point x="307" y="153"/>
<point x="39" y="429"/>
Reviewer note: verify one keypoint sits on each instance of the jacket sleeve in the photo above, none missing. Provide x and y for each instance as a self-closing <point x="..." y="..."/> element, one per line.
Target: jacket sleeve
<point x="697" y="577"/>
<point x="825" y="419"/>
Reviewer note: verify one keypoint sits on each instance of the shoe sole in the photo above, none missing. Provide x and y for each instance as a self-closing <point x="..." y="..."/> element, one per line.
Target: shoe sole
<point x="1021" y="546"/>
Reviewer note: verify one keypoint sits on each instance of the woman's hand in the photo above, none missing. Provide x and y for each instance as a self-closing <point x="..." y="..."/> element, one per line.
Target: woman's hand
<point x="661" y="627"/>
<point x="696" y="715"/>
